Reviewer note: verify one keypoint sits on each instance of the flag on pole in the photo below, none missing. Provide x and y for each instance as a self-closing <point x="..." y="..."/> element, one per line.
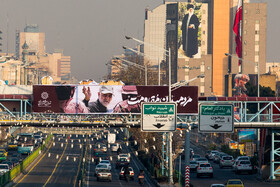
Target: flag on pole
<point x="237" y="29"/>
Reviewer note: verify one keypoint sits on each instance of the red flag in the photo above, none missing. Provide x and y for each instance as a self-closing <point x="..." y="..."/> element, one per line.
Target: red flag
<point x="237" y="29"/>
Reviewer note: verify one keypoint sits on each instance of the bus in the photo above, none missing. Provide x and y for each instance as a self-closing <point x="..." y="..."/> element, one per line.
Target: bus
<point x="25" y="143"/>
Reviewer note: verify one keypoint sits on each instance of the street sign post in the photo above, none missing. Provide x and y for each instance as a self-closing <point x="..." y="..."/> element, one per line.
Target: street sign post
<point x="215" y="118"/>
<point x="158" y="117"/>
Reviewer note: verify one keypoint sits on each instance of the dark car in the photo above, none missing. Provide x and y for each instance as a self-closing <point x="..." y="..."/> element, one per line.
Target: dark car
<point x="18" y="156"/>
<point x="122" y="162"/>
<point x="14" y="160"/>
<point x="131" y="173"/>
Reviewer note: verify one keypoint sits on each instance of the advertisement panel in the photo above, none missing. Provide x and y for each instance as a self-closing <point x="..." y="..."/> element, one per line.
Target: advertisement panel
<point x="109" y="98"/>
<point x="189" y="30"/>
<point x="246" y="135"/>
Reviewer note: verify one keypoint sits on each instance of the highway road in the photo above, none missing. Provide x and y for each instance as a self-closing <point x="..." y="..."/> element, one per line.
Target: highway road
<point x="221" y="175"/>
<point x="58" y="165"/>
<point x="53" y="168"/>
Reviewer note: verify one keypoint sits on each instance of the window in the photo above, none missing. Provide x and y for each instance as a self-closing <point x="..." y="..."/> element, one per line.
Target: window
<point x="257" y="42"/>
<point x="257" y="21"/>
<point x="245" y="42"/>
<point x="201" y="94"/>
<point x="245" y="11"/>
<point x="245" y="53"/>
<point x="245" y="21"/>
<point x="245" y="32"/>
<point x="258" y="11"/>
<point x="257" y="32"/>
<point x="201" y="89"/>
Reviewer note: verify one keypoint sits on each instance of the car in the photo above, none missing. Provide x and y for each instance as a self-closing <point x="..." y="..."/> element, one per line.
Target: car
<point x="210" y="154"/>
<point x="12" y="145"/>
<point x="4" y="168"/>
<point x="204" y="169"/>
<point x="193" y="165"/>
<point x="125" y="155"/>
<point x="18" y="156"/>
<point x="122" y="162"/>
<point x="14" y="160"/>
<point x="99" y="147"/>
<point x="114" y="147"/>
<point x="99" y="167"/>
<point x="107" y="162"/>
<point x="38" y="139"/>
<point x="195" y="157"/>
<point x="131" y="173"/>
<point x="234" y="183"/>
<point x="217" y="185"/>
<point x="40" y="133"/>
<point x="4" y="151"/>
<point x="226" y="161"/>
<point x="243" y="166"/>
<point x="103" y="148"/>
<point x="104" y="174"/>
<point x="2" y="157"/>
<point x="9" y="163"/>
<point x="218" y="157"/>
<point x="201" y="160"/>
<point x="240" y="158"/>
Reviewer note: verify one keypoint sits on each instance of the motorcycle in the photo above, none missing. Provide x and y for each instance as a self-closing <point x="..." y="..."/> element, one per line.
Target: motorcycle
<point x="141" y="179"/>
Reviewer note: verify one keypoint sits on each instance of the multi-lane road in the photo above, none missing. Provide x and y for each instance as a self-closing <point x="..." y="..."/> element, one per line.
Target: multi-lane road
<point x="58" y="165"/>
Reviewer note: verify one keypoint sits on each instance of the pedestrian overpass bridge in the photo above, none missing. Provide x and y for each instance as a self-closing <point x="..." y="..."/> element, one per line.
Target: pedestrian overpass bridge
<point x="250" y="112"/>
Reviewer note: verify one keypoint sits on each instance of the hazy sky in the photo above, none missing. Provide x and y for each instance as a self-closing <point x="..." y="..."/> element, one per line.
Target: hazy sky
<point x="92" y="31"/>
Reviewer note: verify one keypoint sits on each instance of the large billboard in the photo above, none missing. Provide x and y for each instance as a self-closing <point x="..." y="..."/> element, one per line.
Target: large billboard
<point x="189" y="30"/>
<point x="109" y="98"/>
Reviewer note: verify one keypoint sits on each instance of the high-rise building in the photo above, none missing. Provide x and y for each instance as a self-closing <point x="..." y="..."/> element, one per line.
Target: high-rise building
<point x="253" y="42"/>
<point x="34" y="39"/>
<point x="155" y="34"/>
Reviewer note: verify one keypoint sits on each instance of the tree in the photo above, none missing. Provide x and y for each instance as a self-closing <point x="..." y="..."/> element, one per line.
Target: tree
<point x="252" y="91"/>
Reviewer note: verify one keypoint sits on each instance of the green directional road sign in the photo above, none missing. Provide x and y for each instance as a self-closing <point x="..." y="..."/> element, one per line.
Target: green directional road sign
<point x="216" y="118"/>
<point x="158" y="117"/>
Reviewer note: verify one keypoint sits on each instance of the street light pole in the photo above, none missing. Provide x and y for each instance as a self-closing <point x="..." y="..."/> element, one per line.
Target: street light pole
<point x="169" y="100"/>
<point x="137" y="66"/>
<point x="143" y="54"/>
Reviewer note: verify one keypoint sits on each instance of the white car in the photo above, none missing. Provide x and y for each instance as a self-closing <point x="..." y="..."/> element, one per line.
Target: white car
<point x="217" y="185"/>
<point x="211" y="155"/>
<point x="243" y="166"/>
<point x="124" y="155"/>
<point x="246" y="158"/>
<point x="226" y="161"/>
<point x="195" y="157"/>
<point x="204" y="169"/>
<point x="242" y="158"/>
<point x="4" y="168"/>
<point x="201" y="160"/>
<point x="99" y="167"/>
<point x="193" y="165"/>
<point x="114" y="147"/>
<point x="106" y="162"/>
